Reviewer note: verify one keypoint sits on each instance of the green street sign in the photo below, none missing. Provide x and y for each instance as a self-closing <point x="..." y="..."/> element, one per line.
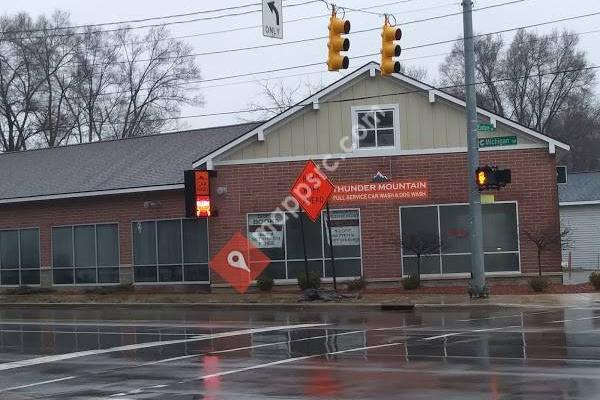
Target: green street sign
<point x="482" y="127"/>
<point x="498" y="141"/>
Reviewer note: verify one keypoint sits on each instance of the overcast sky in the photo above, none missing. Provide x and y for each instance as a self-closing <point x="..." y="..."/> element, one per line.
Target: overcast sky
<point x="236" y="94"/>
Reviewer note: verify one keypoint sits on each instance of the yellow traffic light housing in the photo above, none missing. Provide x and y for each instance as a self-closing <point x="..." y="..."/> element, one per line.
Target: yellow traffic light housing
<point x="338" y="43"/>
<point x="389" y="48"/>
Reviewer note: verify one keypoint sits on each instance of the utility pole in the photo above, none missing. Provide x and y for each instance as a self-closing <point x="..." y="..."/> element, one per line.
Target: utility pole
<point x="477" y="259"/>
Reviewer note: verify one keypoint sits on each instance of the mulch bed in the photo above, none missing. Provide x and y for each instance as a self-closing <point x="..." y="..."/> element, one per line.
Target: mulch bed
<point x="494" y="289"/>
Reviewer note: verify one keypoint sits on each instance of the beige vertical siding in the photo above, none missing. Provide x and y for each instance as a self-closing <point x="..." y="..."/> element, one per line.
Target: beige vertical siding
<point x="422" y="125"/>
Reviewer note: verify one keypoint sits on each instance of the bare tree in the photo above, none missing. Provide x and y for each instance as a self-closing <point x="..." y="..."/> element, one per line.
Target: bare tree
<point x="276" y="97"/>
<point x="579" y="125"/>
<point x="418" y="73"/>
<point x="20" y="80"/>
<point x="545" y="239"/>
<point x="488" y="67"/>
<point x="92" y="101"/>
<point x="155" y="72"/>
<point x="421" y="244"/>
<point x="530" y="81"/>
<point x="52" y="55"/>
<point x="58" y="86"/>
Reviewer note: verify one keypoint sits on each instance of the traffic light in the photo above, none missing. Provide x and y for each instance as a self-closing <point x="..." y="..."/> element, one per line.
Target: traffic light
<point x="389" y="49"/>
<point x="490" y="177"/>
<point x="197" y="194"/>
<point x="338" y="43"/>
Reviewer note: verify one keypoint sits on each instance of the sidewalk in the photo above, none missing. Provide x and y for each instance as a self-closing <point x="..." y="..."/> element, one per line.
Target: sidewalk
<point x="290" y="300"/>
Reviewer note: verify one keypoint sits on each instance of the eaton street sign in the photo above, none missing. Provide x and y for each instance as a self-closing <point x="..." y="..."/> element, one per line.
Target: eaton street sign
<point x="272" y="19"/>
<point x="498" y="141"/>
<point x="483" y="127"/>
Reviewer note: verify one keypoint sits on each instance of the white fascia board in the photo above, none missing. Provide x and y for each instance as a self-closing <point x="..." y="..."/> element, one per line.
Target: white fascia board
<point x="579" y="203"/>
<point x="374" y="153"/>
<point x="289" y="112"/>
<point x="142" y="189"/>
<point x="481" y="111"/>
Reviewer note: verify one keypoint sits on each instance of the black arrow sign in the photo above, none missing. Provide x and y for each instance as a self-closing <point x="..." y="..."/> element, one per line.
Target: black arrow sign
<point x="273" y="9"/>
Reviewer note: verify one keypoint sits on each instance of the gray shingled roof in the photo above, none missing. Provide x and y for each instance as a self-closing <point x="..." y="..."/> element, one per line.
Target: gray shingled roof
<point x="109" y="165"/>
<point x="580" y="186"/>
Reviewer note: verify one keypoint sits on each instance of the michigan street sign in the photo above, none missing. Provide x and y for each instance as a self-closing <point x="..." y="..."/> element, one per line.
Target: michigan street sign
<point x="498" y="141"/>
<point x="272" y="19"/>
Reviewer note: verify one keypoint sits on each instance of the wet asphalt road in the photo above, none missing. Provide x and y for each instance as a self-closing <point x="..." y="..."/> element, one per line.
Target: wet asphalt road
<point x="182" y="353"/>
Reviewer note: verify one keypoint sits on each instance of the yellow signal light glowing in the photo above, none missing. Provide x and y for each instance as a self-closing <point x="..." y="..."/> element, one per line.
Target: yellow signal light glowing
<point x="481" y="178"/>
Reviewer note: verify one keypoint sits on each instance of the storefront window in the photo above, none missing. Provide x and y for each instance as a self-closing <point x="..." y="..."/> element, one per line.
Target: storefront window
<point x="85" y="254"/>
<point x="170" y="251"/>
<point x="282" y="242"/>
<point x="450" y="224"/>
<point x="19" y="257"/>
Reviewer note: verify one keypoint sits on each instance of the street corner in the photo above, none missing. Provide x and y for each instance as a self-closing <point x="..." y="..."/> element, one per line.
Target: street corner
<point x="239" y="262"/>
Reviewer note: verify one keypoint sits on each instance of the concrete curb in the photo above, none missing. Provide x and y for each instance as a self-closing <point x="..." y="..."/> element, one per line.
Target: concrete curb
<point x="239" y="306"/>
<point x="483" y="306"/>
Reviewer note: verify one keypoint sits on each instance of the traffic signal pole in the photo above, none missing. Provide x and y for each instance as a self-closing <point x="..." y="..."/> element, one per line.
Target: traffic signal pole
<point x="476" y="231"/>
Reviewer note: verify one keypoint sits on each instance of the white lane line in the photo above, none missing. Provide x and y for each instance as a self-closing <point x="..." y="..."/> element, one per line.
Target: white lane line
<point x="166" y="360"/>
<point x="100" y="332"/>
<point x="294" y="359"/>
<point x="574" y="319"/>
<point x="141" y="324"/>
<point x="390" y="328"/>
<point x="267" y="365"/>
<point x="256" y="346"/>
<point x="69" y="356"/>
<point x="66" y="378"/>
<point x="506" y="316"/>
<point x="470" y="331"/>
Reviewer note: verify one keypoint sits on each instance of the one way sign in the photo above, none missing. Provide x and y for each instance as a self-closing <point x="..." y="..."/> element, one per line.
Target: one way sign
<point x="272" y="11"/>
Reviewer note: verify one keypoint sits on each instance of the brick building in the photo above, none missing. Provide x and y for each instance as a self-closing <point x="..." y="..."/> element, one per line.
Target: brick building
<point x="114" y="212"/>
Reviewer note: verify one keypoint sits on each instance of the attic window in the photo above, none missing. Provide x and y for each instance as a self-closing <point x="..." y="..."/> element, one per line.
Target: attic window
<point x="375" y="127"/>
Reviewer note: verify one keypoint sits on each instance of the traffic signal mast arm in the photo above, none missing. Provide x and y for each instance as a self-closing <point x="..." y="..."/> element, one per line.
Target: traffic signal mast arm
<point x="338" y="43"/>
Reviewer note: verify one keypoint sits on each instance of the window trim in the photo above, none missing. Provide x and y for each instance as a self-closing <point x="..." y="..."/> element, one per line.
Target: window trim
<point x="376" y="107"/>
<point x="157" y="265"/>
<point x="39" y="269"/>
<point x="463" y="274"/>
<point x="325" y="257"/>
<point x="72" y="226"/>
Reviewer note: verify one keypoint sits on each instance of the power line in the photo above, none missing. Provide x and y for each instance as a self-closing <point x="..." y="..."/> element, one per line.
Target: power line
<point x="237" y="29"/>
<point x="506" y="30"/>
<point x="441" y="88"/>
<point x="368" y="55"/>
<point x="131" y="21"/>
<point x="304" y="73"/>
<point x="414" y="47"/>
<point x="375" y="54"/>
<point x="128" y="28"/>
<point x="305" y="102"/>
<point x="305" y="40"/>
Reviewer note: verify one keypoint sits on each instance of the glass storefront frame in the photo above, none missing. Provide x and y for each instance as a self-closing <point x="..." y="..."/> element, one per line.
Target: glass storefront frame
<point x="442" y="254"/>
<point x="323" y="261"/>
